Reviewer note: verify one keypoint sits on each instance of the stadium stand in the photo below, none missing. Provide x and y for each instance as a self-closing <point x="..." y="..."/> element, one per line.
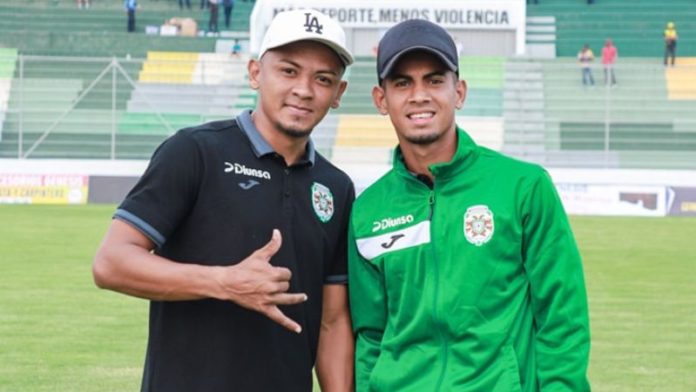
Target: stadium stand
<point x="186" y="82"/>
<point x="681" y="81"/>
<point x="57" y="27"/>
<point x="533" y="108"/>
<point x="635" y="26"/>
<point x="172" y="67"/>
<point x="552" y="118"/>
<point x="364" y="136"/>
<point x="646" y="122"/>
<point x="541" y="36"/>
<point x="76" y="106"/>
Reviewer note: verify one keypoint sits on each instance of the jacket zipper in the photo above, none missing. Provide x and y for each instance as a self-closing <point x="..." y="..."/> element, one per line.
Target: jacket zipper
<point x="436" y="291"/>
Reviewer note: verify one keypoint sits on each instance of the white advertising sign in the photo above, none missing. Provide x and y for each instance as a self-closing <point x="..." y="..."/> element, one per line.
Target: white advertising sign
<point x="487" y="15"/>
<point x="605" y="199"/>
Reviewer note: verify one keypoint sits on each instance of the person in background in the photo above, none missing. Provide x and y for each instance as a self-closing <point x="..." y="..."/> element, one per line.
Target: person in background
<point x="187" y="2"/>
<point x="228" y="5"/>
<point x="609" y="56"/>
<point x="585" y="58"/>
<point x="237" y="233"/>
<point x="83" y="4"/>
<point x="236" y="48"/>
<point x="213" y="21"/>
<point x="131" y="6"/>
<point x="671" y="37"/>
<point x="464" y="274"/>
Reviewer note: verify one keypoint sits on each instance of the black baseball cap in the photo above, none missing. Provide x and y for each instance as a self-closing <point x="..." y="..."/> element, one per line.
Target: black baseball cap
<point x="415" y="34"/>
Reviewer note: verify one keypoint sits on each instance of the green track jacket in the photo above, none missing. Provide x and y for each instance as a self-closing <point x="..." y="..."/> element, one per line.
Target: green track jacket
<point x="473" y="285"/>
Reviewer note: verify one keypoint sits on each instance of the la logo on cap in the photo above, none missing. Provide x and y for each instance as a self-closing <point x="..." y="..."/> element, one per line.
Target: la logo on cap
<point x="312" y="23"/>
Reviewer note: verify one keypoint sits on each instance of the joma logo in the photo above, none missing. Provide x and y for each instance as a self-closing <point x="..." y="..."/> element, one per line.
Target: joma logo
<point x="393" y="239"/>
<point x="248" y="185"/>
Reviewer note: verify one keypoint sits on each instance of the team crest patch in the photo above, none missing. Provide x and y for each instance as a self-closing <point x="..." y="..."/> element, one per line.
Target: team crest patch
<point x="322" y="202"/>
<point x="478" y="224"/>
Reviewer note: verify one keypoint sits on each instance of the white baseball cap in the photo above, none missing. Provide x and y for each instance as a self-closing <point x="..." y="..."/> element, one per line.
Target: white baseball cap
<point x="306" y="24"/>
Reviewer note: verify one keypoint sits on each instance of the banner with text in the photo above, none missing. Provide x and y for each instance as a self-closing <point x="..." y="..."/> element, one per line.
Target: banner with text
<point x="484" y="16"/>
<point x="370" y="14"/>
<point x="43" y="188"/>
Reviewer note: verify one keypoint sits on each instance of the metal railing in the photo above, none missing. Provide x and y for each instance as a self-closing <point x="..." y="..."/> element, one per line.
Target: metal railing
<point x="65" y="107"/>
<point x="646" y="120"/>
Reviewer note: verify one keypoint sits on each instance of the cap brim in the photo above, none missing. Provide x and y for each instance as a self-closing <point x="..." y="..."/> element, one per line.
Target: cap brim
<point x="342" y="53"/>
<point x="392" y="62"/>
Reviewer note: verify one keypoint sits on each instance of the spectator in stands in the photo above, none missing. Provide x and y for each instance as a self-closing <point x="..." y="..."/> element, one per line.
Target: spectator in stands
<point x="131" y="6"/>
<point x="236" y="48"/>
<point x="213" y="21"/>
<point x="204" y="4"/>
<point x="181" y="4"/>
<point x="585" y="58"/>
<point x="463" y="271"/>
<point x="231" y="310"/>
<point x="228" y="6"/>
<point x="609" y="56"/>
<point x="83" y="4"/>
<point x="671" y="38"/>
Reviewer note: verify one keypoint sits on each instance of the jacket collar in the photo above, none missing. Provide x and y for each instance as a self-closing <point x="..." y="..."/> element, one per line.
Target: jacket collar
<point x="465" y="155"/>
<point x="261" y="147"/>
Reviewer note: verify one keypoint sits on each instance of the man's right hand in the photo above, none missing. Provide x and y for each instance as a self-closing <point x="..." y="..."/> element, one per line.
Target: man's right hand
<point x="257" y="285"/>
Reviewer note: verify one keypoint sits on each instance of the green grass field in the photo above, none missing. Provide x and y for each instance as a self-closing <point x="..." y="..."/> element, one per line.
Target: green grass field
<point x="58" y="332"/>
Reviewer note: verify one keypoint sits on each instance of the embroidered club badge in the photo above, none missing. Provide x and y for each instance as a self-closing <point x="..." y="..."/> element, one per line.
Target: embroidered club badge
<point x="478" y="224"/>
<point x="322" y="202"/>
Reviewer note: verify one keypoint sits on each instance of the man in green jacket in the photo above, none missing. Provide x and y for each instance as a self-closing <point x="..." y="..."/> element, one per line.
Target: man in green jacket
<point x="463" y="271"/>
